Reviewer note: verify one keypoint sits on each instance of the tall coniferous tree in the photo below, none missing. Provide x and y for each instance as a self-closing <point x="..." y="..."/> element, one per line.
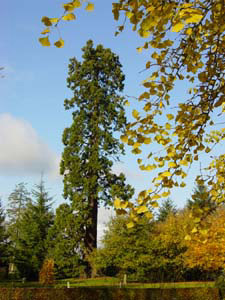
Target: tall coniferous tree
<point x="90" y="146"/>
<point x="167" y="208"/>
<point x="17" y="203"/>
<point x="63" y="243"/>
<point x="36" y="221"/>
<point x="4" y="244"/>
<point x="201" y="198"/>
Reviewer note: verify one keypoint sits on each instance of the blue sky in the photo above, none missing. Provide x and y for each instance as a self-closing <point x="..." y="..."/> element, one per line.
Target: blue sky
<point x="32" y="115"/>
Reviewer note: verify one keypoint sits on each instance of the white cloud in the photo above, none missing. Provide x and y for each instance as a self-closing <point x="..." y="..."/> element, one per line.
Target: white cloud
<point x="130" y="172"/>
<point x="22" y="151"/>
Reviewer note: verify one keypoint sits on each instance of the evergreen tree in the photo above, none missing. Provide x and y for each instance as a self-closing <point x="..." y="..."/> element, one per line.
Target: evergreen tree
<point x="17" y="202"/>
<point x="89" y="143"/>
<point x="166" y="209"/>
<point x="201" y="199"/>
<point x="34" y="225"/>
<point x="4" y="244"/>
<point x="63" y="243"/>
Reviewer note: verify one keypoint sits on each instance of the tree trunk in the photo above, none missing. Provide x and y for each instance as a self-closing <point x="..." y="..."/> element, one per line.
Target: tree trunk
<point x="91" y="233"/>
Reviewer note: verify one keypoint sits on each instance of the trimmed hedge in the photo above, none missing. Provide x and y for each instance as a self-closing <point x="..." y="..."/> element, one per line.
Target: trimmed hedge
<point x="108" y="294"/>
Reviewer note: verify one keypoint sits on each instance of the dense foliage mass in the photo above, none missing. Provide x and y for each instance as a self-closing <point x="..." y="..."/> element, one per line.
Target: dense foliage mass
<point x="28" y="224"/>
<point x="90" y="144"/>
<point x="63" y="243"/>
<point x="157" y="250"/>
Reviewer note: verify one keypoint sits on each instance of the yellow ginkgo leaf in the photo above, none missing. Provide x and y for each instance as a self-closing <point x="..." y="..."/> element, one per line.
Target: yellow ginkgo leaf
<point x="166" y="194"/>
<point x="124" y="204"/>
<point x="177" y="27"/>
<point x="68" y="6"/>
<point x="44" y="41"/>
<point x="129" y="14"/>
<point x="69" y="17"/>
<point x="150" y="168"/>
<point x="59" y="43"/>
<point x="145" y="34"/>
<point x="195" y="18"/>
<point x="183" y="162"/>
<point x="76" y="4"/>
<point x="130" y="225"/>
<point x="170" y="116"/>
<point x="89" y="7"/>
<point x="172" y="165"/>
<point x="142" y="209"/>
<point x="188" y="31"/>
<point x="147" y="141"/>
<point x="47" y="30"/>
<point x="168" y="126"/>
<point x="155" y="204"/>
<point x="54" y="20"/>
<point x="187" y="238"/>
<point x="194" y="230"/>
<point x="135" y="114"/>
<point x="124" y="138"/>
<point x="166" y="174"/>
<point x="46" y="21"/>
<point x="149" y="215"/>
<point x="117" y="203"/>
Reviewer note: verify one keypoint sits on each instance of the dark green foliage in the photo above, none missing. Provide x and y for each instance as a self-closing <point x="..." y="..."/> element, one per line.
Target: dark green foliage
<point x="125" y="251"/>
<point x="34" y="224"/>
<point x="167" y="207"/>
<point x="220" y="284"/>
<point x="4" y="243"/>
<point x="17" y="203"/>
<point x="63" y="243"/>
<point x="90" y="146"/>
<point x="201" y="199"/>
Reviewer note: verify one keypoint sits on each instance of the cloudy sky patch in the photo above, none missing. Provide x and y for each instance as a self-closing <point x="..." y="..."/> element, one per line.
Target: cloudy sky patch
<point x="22" y="150"/>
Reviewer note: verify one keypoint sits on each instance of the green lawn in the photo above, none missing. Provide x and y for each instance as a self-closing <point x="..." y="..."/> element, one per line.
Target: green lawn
<point x="109" y="281"/>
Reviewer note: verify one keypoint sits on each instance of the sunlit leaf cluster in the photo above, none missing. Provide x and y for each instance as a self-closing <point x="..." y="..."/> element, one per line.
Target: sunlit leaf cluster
<point x="68" y="15"/>
<point x="207" y="248"/>
<point x="187" y="42"/>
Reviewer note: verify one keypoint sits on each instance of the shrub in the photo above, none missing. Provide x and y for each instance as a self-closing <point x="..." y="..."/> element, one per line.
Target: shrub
<point x="46" y="274"/>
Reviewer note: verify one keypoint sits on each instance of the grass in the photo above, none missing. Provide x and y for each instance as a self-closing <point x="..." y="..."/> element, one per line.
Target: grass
<point x="109" y="282"/>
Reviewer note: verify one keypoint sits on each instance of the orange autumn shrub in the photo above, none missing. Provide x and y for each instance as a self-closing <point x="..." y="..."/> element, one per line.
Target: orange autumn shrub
<point x="46" y="274"/>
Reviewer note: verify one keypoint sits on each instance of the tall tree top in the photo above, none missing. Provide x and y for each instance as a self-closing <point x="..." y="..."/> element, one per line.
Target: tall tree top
<point x="17" y="202"/>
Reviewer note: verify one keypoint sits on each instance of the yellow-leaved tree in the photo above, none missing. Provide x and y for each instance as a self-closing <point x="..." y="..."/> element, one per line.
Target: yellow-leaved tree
<point x="189" y="45"/>
<point x="206" y="250"/>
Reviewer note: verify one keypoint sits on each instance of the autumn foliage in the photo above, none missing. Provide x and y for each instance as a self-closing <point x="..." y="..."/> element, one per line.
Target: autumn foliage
<point x="206" y="249"/>
<point x="46" y="274"/>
